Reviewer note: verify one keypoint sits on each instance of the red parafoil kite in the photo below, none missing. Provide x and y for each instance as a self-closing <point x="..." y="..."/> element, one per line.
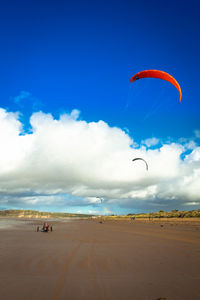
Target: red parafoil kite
<point x="160" y="75"/>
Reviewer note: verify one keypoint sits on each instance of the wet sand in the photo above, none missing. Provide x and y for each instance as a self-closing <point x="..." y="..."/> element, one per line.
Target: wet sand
<point x="83" y="259"/>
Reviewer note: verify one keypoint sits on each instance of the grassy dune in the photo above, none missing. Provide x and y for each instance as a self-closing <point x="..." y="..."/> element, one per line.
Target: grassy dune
<point x="162" y="214"/>
<point x="156" y="215"/>
<point x="38" y="214"/>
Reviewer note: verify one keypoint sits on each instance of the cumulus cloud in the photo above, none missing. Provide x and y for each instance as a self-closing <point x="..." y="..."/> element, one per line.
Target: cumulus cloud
<point x="72" y="161"/>
<point x="197" y="133"/>
<point x="23" y="95"/>
<point x="151" y="142"/>
<point x="28" y="101"/>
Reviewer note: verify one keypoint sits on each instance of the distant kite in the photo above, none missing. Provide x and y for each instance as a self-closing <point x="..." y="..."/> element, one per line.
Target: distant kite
<point x="138" y="158"/>
<point x="160" y="75"/>
<point x="101" y="199"/>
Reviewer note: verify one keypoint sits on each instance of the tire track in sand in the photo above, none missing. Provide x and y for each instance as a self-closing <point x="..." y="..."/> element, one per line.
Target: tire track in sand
<point x="96" y="281"/>
<point x="62" y="278"/>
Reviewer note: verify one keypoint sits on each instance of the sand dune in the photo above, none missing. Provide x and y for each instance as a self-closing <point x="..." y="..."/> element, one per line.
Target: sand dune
<point x="83" y="259"/>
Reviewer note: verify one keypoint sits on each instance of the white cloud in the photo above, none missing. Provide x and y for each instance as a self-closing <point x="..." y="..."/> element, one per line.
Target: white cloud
<point x="190" y="145"/>
<point x="23" y="95"/>
<point x="192" y="203"/>
<point x="197" y="133"/>
<point x="151" y="142"/>
<point x="89" y="161"/>
<point x="26" y="100"/>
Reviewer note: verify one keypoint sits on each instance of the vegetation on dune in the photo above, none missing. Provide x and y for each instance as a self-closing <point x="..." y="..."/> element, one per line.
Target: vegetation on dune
<point x="159" y="215"/>
<point x="39" y="214"/>
<point x="170" y="214"/>
<point x="154" y="215"/>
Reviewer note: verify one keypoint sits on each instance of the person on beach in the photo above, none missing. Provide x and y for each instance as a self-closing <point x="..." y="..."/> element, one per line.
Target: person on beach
<point x="45" y="226"/>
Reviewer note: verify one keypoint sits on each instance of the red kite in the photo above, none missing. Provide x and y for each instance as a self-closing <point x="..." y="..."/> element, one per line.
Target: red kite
<point x="160" y="75"/>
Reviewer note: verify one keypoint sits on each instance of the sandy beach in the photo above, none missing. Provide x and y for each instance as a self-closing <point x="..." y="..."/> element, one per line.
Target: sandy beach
<point x="84" y="259"/>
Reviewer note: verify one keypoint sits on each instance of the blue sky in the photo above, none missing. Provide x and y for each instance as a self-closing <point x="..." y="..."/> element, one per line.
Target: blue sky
<point x="57" y="56"/>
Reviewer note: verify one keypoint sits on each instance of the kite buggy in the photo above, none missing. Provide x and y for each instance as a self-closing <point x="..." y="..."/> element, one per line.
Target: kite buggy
<point x="45" y="228"/>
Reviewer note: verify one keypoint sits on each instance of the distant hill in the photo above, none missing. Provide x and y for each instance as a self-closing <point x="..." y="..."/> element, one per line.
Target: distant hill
<point x="158" y="215"/>
<point x="170" y="214"/>
<point x="38" y="214"/>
